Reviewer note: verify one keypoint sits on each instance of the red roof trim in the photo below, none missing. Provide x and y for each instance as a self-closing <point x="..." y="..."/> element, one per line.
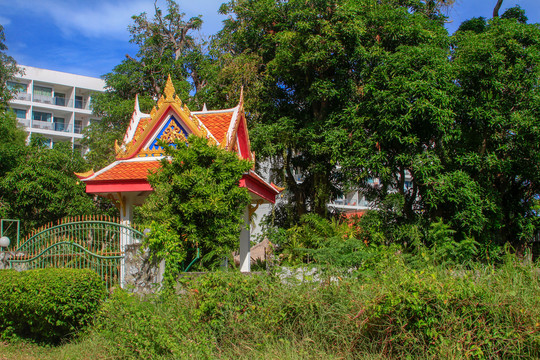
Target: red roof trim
<point x="95" y="187"/>
<point x="259" y="187"/>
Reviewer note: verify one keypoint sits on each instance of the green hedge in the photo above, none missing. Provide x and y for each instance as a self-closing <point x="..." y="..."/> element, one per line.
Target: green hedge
<point x="48" y="304"/>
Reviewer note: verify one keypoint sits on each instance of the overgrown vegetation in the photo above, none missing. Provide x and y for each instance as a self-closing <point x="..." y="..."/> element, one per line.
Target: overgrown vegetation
<point x="48" y="304"/>
<point x="394" y="308"/>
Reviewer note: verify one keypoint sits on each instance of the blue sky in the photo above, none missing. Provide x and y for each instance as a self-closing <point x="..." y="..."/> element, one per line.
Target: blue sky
<point x="90" y="37"/>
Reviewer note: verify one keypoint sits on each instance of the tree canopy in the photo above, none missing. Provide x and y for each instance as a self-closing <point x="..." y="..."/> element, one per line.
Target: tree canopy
<point x="344" y="94"/>
<point x="42" y="187"/>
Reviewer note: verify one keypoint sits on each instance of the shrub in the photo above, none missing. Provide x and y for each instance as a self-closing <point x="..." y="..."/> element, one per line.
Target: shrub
<point x="394" y="310"/>
<point x="48" y="304"/>
<point x="151" y="327"/>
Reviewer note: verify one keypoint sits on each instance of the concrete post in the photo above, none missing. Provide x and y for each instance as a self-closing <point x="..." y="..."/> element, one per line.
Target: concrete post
<point x="245" y="255"/>
<point x="126" y="219"/>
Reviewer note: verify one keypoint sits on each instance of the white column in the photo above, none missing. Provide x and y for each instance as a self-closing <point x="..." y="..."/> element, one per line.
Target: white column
<point x="126" y="219"/>
<point x="245" y="256"/>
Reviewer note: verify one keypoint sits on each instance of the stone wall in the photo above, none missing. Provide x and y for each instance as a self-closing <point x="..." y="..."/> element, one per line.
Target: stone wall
<point x="141" y="275"/>
<point x="10" y="255"/>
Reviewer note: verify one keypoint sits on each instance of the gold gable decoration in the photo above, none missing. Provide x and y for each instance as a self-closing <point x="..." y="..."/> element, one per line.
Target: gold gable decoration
<point x="170" y="93"/>
<point x="172" y="133"/>
<point x="169" y="99"/>
<point x="85" y="174"/>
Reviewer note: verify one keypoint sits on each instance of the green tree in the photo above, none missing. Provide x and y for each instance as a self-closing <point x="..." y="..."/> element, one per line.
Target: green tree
<point x="397" y="125"/>
<point x="497" y="73"/>
<point x="12" y="146"/>
<point x="462" y="122"/>
<point x="197" y="197"/>
<point x="43" y="188"/>
<point x="313" y="58"/>
<point x="166" y="47"/>
<point x="8" y="68"/>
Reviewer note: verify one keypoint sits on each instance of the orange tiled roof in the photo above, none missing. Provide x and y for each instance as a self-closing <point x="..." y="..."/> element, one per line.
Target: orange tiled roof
<point x="131" y="170"/>
<point x="217" y="123"/>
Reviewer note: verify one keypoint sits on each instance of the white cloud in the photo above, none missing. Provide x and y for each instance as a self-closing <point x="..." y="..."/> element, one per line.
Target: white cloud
<point x="106" y="18"/>
<point x="94" y="19"/>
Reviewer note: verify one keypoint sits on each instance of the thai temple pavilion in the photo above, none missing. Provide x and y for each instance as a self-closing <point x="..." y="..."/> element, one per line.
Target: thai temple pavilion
<point x="125" y="180"/>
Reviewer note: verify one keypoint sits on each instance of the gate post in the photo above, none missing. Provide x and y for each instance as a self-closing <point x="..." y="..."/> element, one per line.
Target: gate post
<point x="126" y="219"/>
<point x="245" y="253"/>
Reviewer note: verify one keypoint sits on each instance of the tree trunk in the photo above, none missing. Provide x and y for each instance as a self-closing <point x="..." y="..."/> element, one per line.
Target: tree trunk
<point x="497" y="7"/>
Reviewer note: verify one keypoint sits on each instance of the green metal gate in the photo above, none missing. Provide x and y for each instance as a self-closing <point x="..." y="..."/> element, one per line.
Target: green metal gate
<point x="92" y="244"/>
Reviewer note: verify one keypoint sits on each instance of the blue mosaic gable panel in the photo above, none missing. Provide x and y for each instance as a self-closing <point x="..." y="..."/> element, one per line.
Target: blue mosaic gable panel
<point x="172" y="121"/>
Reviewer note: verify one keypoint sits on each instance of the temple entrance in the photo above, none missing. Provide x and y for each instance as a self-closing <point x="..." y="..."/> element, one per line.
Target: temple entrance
<point x="125" y="180"/>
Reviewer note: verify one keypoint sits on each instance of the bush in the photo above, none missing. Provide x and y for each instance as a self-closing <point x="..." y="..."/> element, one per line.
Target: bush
<point x="153" y="327"/>
<point x="48" y="304"/>
<point x="387" y="309"/>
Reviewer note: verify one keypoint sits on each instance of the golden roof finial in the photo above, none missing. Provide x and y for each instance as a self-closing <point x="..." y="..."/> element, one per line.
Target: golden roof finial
<point x="241" y="102"/>
<point x="169" y="90"/>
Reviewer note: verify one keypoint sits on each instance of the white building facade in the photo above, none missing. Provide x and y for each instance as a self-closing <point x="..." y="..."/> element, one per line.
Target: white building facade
<point x="54" y="104"/>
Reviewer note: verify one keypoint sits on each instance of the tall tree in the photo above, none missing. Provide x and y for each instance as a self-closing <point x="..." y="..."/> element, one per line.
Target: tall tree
<point x="43" y="187"/>
<point x="166" y="47"/>
<point x="313" y="59"/>
<point x="8" y="68"/>
<point x="13" y="138"/>
<point x="497" y="72"/>
<point x="462" y="124"/>
<point x="397" y="126"/>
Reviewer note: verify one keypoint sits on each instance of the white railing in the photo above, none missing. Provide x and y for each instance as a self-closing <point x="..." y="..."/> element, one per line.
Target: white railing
<point x="58" y="101"/>
<point x="24" y="122"/>
<point x="23" y="96"/>
<point x="44" y="99"/>
<point x="46" y="125"/>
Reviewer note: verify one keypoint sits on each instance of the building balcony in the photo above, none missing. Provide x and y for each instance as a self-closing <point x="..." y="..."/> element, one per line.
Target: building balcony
<point x="22" y="96"/>
<point x="24" y="122"/>
<point x="46" y="125"/>
<point x="58" y="101"/>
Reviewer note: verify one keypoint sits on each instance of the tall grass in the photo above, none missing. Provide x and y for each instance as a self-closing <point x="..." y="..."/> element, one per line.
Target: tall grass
<point x="395" y="310"/>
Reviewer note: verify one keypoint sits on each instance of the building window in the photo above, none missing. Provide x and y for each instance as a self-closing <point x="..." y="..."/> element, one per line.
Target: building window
<point x="78" y="126"/>
<point x="78" y="102"/>
<point x="59" y="99"/>
<point x="41" y="116"/>
<point x="59" y="124"/>
<point x="43" y="94"/>
<point x="16" y="87"/>
<point x="43" y="91"/>
<point x="19" y="113"/>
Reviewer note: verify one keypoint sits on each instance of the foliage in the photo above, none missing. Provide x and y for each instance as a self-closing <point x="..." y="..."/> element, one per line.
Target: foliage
<point x="497" y="72"/>
<point x="8" y="69"/>
<point x="314" y="62"/>
<point x="12" y="147"/>
<point x="198" y="194"/>
<point x="157" y="327"/>
<point x="169" y="245"/>
<point x="48" y="304"/>
<point x="166" y="47"/>
<point x="449" y="129"/>
<point x="387" y="310"/>
<point x="13" y="138"/>
<point x="294" y="245"/>
<point x="42" y="186"/>
<point x="100" y="136"/>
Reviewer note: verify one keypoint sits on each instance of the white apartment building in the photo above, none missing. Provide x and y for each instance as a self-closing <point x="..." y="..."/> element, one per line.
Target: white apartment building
<point x="54" y="104"/>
